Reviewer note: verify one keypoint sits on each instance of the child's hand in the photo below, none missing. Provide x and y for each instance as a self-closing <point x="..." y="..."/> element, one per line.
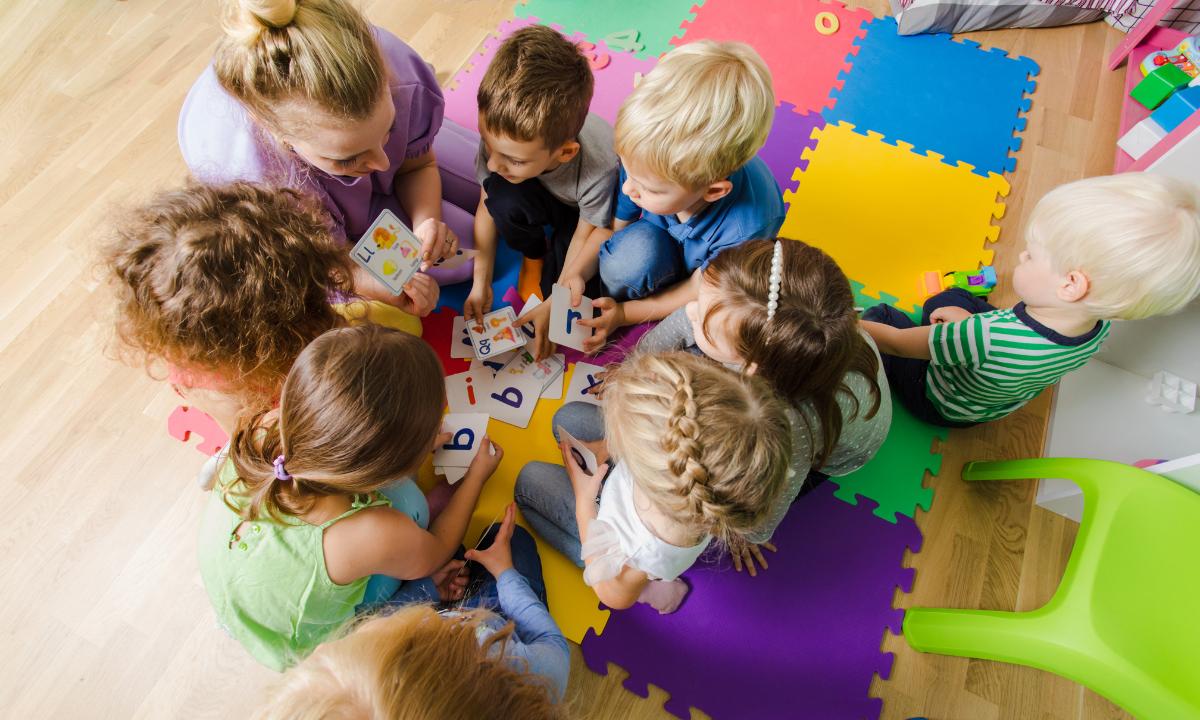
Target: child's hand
<point x="949" y="314"/>
<point x="611" y="317"/>
<point x="575" y="284"/>
<point x="498" y="556"/>
<point x="420" y="295"/>
<point x="542" y="347"/>
<point x="598" y="388"/>
<point x="450" y="580"/>
<point x="586" y="486"/>
<point x="747" y="554"/>
<point x="437" y="242"/>
<point x="478" y="303"/>
<point x="487" y="459"/>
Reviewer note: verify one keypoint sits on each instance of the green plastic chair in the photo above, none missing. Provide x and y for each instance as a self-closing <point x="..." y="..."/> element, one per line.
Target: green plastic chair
<point x="1125" y="620"/>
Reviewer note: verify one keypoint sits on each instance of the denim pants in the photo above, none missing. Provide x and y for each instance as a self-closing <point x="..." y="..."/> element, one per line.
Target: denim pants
<point x="544" y="492"/>
<point x="639" y="261"/>
<point x="907" y="376"/>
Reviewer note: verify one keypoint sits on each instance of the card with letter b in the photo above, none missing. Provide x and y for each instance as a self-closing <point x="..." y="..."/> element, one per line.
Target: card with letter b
<point x="466" y="431"/>
<point x="564" y="319"/>
<point x="389" y="251"/>
<point x="498" y="334"/>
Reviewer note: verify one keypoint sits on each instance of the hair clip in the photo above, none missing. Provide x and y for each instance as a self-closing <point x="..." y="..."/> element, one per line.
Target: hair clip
<point x="281" y="472"/>
<point x="776" y="277"/>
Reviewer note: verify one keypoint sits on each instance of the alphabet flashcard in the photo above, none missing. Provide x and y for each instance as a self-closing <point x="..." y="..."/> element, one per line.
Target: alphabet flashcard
<point x="466" y="431"/>
<point x="564" y="319"/>
<point x="498" y="334"/>
<point x="460" y="340"/>
<point x="452" y="474"/>
<point x="468" y="392"/>
<point x="583" y="455"/>
<point x="513" y="397"/>
<point x="545" y="370"/>
<point x="530" y="304"/>
<point x="584" y="379"/>
<point x="389" y="251"/>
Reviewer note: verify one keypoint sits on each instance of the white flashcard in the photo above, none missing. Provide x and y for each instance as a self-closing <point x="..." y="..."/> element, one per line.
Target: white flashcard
<point x="466" y="431"/>
<point x="554" y="388"/>
<point x="545" y="370"/>
<point x="585" y="457"/>
<point x="389" y="251"/>
<point x="460" y="257"/>
<point x="514" y="397"/>
<point x="467" y="392"/>
<point x="583" y="379"/>
<point x="495" y="363"/>
<point x="564" y="319"/>
<point x="452" y="474"/>
<point x="532" y="302"/>
<point x="460" y="340"/>
<point x="498" y="334"/>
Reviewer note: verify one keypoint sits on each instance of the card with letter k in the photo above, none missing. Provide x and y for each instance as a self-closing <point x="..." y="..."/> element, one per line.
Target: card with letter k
<point x="466" y="432"/>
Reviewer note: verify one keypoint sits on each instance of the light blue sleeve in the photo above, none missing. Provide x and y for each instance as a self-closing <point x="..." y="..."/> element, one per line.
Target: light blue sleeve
<point x="539" y="642"/>
<point x="674" y="332"/>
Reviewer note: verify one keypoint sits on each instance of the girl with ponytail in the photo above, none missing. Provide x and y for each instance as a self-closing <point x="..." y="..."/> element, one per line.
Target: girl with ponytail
<point x="701" y="454"/>
<point x="308" y="94"/>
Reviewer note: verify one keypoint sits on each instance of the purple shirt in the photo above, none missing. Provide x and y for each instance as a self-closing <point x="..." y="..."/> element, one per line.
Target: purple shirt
<point x="221" y="143"/>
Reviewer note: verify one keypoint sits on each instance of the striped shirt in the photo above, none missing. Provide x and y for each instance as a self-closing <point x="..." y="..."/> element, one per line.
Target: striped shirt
<point x="990" y="364"/>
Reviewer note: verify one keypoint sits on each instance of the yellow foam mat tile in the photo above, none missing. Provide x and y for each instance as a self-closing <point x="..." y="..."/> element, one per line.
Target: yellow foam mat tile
<point x="887" y="214"/>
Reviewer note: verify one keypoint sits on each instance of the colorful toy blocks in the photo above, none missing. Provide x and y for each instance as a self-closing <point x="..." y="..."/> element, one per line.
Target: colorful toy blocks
<point x="1177" y="108"/>
<point x="1138" y="140"/>
<point x="1158" y="85"/>
<point x="979" y="282"/>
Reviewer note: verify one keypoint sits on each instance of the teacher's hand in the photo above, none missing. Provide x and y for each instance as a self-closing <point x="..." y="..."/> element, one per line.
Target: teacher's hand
<point x="438" y="242"/>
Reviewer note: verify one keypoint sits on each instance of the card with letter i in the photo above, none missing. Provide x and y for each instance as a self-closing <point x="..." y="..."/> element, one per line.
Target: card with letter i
<point x="389" y="251"/>
<point x="498" y="334"/>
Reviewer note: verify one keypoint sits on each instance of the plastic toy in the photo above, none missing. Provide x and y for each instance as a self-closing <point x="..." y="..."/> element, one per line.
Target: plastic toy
<point x="1122" y="621"/>
<point x="184" y="421"/>
<point x="1184" y="56"/>
<point x="1140" y="138"/>
<point x="826" y="23"/>
<point x="1172" y="393"/>
<point x="979" y="282"/>
<point x="1177" y="108"/>
<point x="1158" y="86"/>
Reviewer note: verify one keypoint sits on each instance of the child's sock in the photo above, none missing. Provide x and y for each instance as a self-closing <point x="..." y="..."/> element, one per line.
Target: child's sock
<point x="663" y="596"/>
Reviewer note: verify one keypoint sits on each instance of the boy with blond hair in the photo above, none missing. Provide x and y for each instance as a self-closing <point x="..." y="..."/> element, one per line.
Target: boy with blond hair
<point x="544" y="161"/>
<point x="691" y="182"/>
<point x="1121" y="247"/>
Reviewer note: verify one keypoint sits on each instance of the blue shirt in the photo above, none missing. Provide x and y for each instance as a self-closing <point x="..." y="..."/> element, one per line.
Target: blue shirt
<point x="752" y="209"/>
<point x="539" y="646"/>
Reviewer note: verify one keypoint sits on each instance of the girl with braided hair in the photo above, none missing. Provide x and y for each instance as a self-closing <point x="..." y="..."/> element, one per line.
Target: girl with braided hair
<point x="699" y="453"/>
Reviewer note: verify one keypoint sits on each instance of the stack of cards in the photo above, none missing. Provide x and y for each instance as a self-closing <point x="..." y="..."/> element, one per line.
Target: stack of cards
<point x="389" y="251"/>
<point x="509" y="392"/>
<point x="453" y="458"/>
<point x="498" y="335"/>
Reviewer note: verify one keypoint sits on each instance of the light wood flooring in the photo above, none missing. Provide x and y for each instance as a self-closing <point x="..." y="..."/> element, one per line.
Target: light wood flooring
<point x="102" y="614"/>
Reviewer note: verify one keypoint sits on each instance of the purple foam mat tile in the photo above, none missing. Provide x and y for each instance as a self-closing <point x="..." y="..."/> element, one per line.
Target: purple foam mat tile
<point x="801" y="640"/>
<point x="791" y="132"/>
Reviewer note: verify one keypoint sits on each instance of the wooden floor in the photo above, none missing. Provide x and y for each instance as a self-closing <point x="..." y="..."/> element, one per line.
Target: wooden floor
<point x="102" y="614"/>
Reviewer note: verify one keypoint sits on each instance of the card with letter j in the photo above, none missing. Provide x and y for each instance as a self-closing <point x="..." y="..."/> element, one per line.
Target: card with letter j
<point x="389" y="251"/>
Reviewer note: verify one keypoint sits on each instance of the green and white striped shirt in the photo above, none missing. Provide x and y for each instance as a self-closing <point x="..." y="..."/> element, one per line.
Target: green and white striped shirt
<point x="990" y="364"/>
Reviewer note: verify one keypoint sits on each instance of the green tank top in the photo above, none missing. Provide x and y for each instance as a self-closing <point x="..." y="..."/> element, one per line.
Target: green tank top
<point x="268" y="585"/>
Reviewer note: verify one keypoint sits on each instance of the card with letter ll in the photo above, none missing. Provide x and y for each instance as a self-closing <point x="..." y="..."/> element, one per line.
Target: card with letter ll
<point x="389" y="251"/>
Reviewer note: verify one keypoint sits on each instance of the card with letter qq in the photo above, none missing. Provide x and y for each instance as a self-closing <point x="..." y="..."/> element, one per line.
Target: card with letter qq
<point x="466" y="431"/>
<point x="389" y="251"/>
<point x="564" y="319"/>
<point x="498" y="334"/>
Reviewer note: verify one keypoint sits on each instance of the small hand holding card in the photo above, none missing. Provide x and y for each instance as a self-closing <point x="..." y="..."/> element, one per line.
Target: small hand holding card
<point x="585" y="378"/>
<point x="466" y="432"/>
<point x="564" y="319"/>
<point x="498" y="334"/>
<point x="584" y="456"/>
<point x="389" y="251"/>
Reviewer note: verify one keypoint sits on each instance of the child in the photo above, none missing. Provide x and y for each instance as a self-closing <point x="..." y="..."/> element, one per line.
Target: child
<point x="534" y="124"/>
<point x="1121" y="247"/>
<point x="691" y="184"/>
<point x="225" y="285"/>
<point x="808" y="347"/>
<point x="416" y="662"/>
<point x="701" y="454"/>
<point x="296" y="525"/>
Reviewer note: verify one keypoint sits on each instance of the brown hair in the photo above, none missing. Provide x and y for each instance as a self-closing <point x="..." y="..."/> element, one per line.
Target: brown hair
<point x="538" y="86"/>
<point x="411" y="665"/>
<point x="709" y="446"/>
<point x="813" y="341"/>
<point x="359" y="410"/>
<point x="232" y="281"/>
<point x="320" y="51"/>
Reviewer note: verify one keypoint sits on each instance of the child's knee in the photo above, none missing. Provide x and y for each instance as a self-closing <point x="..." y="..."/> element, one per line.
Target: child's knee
<point x="638" y="261"/>
<point x="584" y="421"/>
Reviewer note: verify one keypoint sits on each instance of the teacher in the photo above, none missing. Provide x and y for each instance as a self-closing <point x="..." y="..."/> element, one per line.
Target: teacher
<point x="308" y="94"/>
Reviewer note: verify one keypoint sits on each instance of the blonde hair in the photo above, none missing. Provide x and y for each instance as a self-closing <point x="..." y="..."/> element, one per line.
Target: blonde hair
<point x="318" y="51"/>
<point x="411" y="665"/>
<point x="359" y="410"/>
<point x="537" y="87"/>
<point x="700" y="114"/>
<point x="1136" y="237"/>
<point x="708" y="446"/>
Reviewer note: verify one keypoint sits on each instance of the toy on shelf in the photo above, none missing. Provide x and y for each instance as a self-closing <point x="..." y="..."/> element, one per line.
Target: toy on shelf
<point x="1140" y="138"/>
<point x="1172" y="393"/>
<point x="1159" y="85"/>
<point x="1177" y="108"/>
<point x="979" y="282"/>
<point x="1184" y="56"/>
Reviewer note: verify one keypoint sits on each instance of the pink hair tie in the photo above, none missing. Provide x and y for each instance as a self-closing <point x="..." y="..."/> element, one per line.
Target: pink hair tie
<point x="281" y="473"/>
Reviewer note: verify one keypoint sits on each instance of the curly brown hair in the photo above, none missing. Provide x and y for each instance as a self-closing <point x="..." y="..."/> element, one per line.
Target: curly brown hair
<point x="229" y="281"/>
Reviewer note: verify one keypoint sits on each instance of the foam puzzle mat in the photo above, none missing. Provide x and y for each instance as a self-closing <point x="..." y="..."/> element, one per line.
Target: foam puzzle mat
<point x="644" y="27"/>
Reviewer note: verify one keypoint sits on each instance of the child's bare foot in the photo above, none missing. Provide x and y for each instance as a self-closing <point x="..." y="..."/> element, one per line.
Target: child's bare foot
<point x="663" y="596"/>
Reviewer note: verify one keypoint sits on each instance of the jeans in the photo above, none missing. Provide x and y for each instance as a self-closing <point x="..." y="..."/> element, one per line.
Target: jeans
<point x="640" y="260"/>
<point x="544" y="492"/>
<point x="907" y="376"/>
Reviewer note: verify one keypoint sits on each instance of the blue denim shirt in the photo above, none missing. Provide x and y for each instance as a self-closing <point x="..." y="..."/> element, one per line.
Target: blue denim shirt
<point x="752" y="209"/>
